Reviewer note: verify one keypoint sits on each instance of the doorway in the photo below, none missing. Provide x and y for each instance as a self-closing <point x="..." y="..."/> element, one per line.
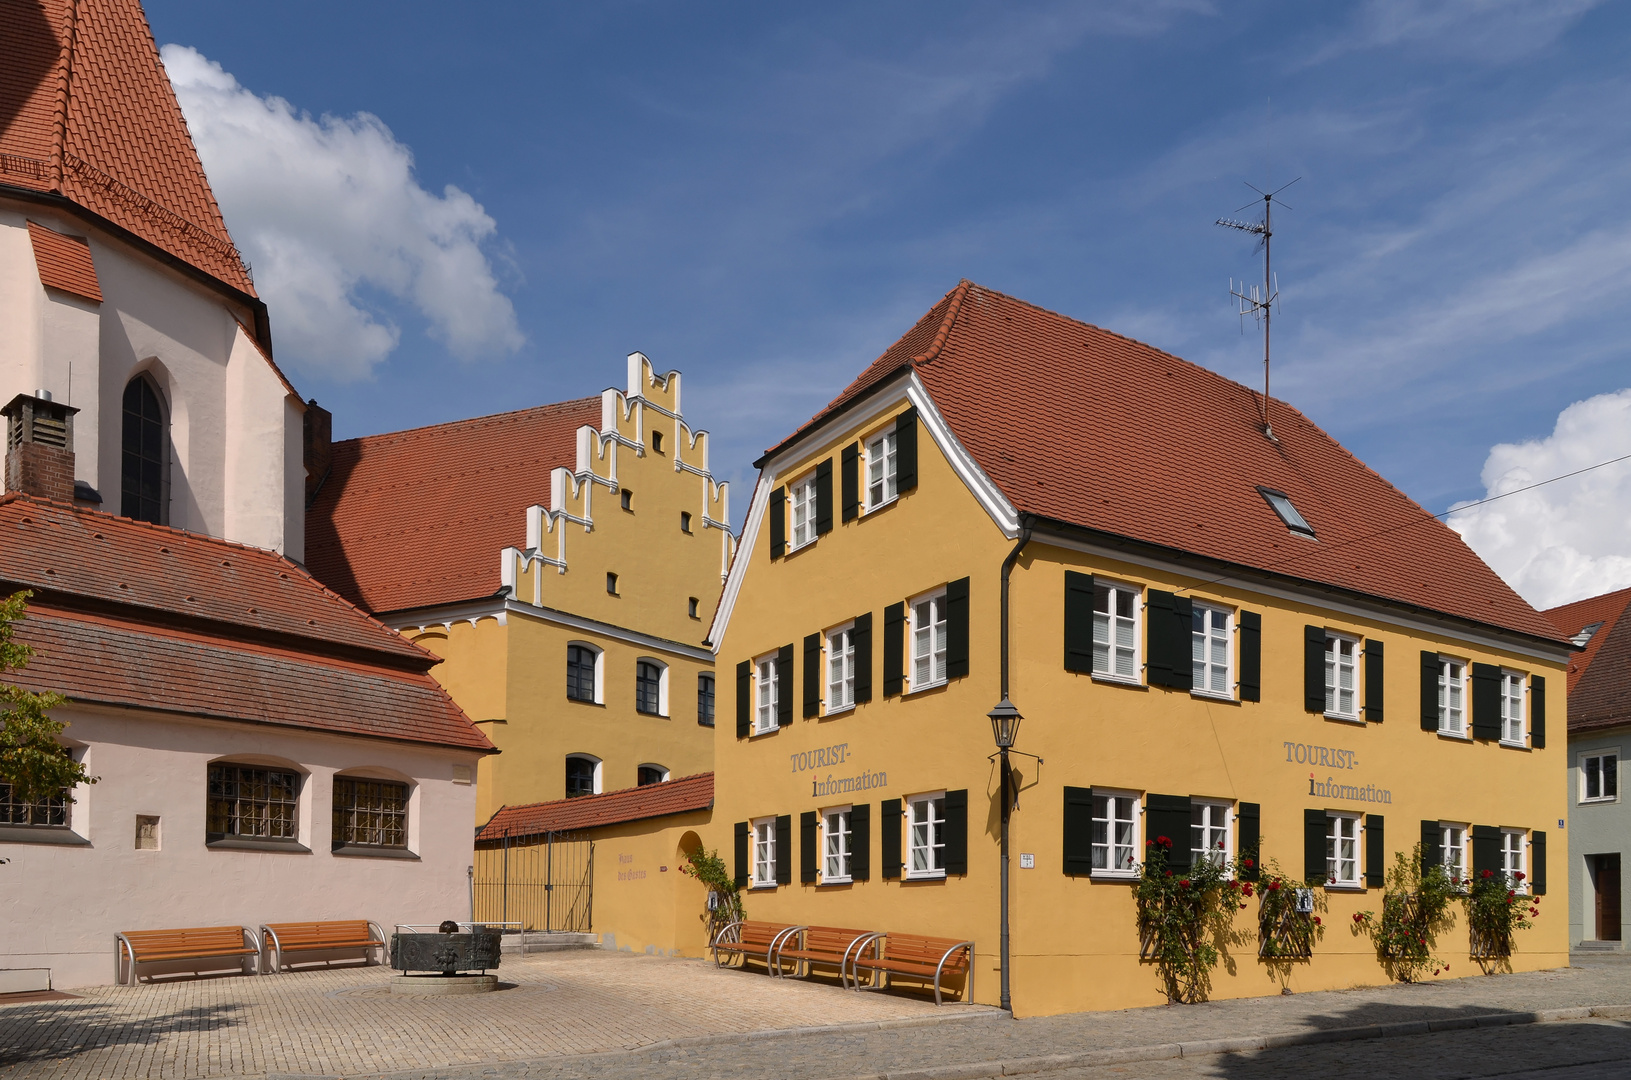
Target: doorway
<point x="1606" y="880"/>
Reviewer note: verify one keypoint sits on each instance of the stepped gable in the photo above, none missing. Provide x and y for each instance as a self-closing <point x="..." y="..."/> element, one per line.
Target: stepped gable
<point x="416" y="518"/>
<point x="1089" y="428"/>
<point x="87" y="112"/>
<point x="135" y="615"/>
<point x="1600" y="677"/>
<point x="611" y="808"/>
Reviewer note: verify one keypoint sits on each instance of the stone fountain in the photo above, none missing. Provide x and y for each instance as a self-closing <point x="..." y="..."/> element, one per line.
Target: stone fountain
<point x="447" y="962"/>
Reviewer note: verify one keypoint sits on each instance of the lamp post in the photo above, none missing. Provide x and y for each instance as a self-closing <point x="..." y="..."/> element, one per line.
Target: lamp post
<point x="1004" y="729"/>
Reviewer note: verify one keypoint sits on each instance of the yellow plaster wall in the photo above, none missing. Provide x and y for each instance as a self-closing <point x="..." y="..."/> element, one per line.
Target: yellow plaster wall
<point x="642" y="903"/>
<point x="474" y="667"/>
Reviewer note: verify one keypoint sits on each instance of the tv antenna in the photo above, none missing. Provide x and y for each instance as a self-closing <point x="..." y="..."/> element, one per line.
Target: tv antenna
<point x="1259" y="301"/>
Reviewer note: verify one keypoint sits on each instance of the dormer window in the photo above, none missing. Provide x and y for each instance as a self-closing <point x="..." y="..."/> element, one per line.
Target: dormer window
<point x="1280" y="503"/>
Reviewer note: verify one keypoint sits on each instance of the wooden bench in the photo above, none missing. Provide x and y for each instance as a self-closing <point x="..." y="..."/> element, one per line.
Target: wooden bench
<point x="919" y="957"/>
<point x="751" y="939"/>
<point x="823" y="946"/>
<point x="288" y="937"/>
<point x="197" y="943"/>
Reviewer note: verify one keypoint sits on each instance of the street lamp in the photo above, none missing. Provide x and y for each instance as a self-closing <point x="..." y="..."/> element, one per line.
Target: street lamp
<point x="1005" y="729"/>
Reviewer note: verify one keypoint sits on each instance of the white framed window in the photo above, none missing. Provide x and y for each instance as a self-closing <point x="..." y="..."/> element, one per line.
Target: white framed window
<point x="1514" y="843"/>
<point x="767" y="693"/>
<point x="1452" y="850"/>
<point x="1115" y="833"/>
<point x="1452" y="697"/>
<point x="1342" y="850"/>
<point x="802" y="495"/>
<point x="584" y="775"/>
<point x="926" y="820"/>
<point x="840" y="669"/>
<point x="1209" y="839"/>
<point x="1599" y="776"/>
<point x="1115" y="630"/>
<point x="928" y="637"/>
<point x="880" y="470"/>
<point x="1341" y="677"/>
<point x="764" y="853"/>
<point x="1210" y="670"/>
<point x="651" y="686"/>
<point x="584" y="676"/>
<point x="1512" y="711"/>
<point x="835" y="846"/>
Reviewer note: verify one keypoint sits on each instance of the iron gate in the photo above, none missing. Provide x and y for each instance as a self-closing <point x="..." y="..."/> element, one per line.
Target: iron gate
<point x="544" y="881"/>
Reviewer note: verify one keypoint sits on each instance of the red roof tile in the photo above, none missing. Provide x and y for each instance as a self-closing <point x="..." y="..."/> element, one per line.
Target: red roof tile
<point x="415" y="518"/>
<point x="87" y="111"/>
<point x="65" y="262"/>
<point x="1085" y="427"/>
<point x="592" y="811"/>
<point x="1600" y="677"/>
<point x="1604" y="610"/>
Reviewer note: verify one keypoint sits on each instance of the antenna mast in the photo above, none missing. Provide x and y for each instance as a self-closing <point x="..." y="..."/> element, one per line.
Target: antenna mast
<point x="1259" y="301"/>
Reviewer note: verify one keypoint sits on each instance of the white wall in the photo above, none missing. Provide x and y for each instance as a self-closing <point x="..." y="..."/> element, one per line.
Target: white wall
<point x="61" y="906"/>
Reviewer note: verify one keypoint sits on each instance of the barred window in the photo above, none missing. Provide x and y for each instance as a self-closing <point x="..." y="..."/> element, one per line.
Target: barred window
<point x="370" y="812"/>
<point x="51" y="810"/>
<point x="245" y="800"/>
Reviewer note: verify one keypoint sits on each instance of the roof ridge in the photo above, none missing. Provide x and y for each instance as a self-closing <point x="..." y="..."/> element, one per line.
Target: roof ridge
<point x="426" y="428"/>
<point x="65" y="74"/>
<point x="950" y="319"/>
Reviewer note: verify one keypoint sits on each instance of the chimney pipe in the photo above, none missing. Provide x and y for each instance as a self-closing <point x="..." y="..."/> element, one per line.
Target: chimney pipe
<point x="40" y="446"/>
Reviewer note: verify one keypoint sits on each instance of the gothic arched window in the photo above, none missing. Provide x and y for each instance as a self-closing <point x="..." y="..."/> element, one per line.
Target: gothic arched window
<point x="142" y="473"/>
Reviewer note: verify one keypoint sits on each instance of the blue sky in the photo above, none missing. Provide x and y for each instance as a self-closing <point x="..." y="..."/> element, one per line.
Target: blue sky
<point x="765" y="196"/>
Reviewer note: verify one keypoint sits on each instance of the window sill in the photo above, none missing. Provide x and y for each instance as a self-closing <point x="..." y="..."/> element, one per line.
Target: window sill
<point x="1213" y="695"/>
<point x="705" y="723"/>
<point x="238" y="843"/>
<point x="1344" y="886"/>
<point x="1603" y="801"/>
<point x="1119" y="680"/>
<point x="654" y="715"/>
<point x="762" y="885"/>
<point x="1461" y="735"/>
<point x="1113" y="875"/>
<point x="935" y="875"/>
<point x="926" y="687"/>
<point x="59" y="835"/>
<point x="758" y="732"/>
<point x="875" y="507"/>
<point x="586" y="701"/>
<point x="368" y="851"/>
<point x="1345" y="718"/>
<point x="840" y="711"/>
<point x="793" y="549"/>
<point x="836" y="881"/>
<point x="1515" y="745"/>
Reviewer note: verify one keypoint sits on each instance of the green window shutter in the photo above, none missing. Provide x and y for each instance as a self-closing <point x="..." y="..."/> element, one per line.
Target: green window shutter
<point x="894" y="649"/>
<point x="889" y="837"/>
<point x="812" y="676"/>
<point x="860" y="842"/>
<point x="1168" y="816"/>
<point x="1432" y="845"/>
<point x="957" y="629"/>
<point x="956" y="849"/>
<point x="1249" y="838"/>
<point x="1429" y="691"/>
<point x="784" y="686"/>
<point x="744" y="699"/>
<point x="1251" y="656"/>
<point x="784" y="850"/>
<point x="809" y="846"/>
<point x="862" y="635"/>
<point x="1375" y="852"/>
<point x="1169" y="632"/>
<point x="1486" y="701"/>
<point x="778" y="523"/>
<point x="1314" y="669"/>
<point x="1078" y="829"/>
<point x="823" y="506"/>
<point x="849" y="484"/>
<point x="743" y="867"/>
<point x="1079" y="623"/>
<point x="1375" y="680"/>
<point x="1537" y="862"/>
<point x="906" y="451"/>
<point x="1537" y="712"/>
<point x="1314" y="829"/>
<point x="1486" y="849"/>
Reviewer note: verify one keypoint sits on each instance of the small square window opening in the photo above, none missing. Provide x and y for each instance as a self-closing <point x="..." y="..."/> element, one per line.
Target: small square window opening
<point x="657" y="441"/>
<point x="628" y="500"/>
<point x="611" y="583"/>
<point x="685" y="521"/>
<point x="691" y="607"/>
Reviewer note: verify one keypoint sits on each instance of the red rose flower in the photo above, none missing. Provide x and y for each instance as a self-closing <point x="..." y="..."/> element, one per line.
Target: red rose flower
<point x="1487" y="874"/>
<point x="1274" y="886"/>
<point x="1248" y="864"/>
<point x="1358" y="917"/>
<point x="1519" y="875"/>
<point x="1316" y="920"/>
<point x="1183" y="883"/>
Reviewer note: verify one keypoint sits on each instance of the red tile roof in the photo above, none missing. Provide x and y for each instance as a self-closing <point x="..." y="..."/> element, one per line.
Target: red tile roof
<point x="87" y="112"/>
<point x="1573" y="618"/>
<point x="1083" y="426"/>
<point x="416" y="518"/>
<point x="592" y="811"/>
<point x="65" y="262"/>
<point x="144" y="616"/>
<point x="1600" y="677"/>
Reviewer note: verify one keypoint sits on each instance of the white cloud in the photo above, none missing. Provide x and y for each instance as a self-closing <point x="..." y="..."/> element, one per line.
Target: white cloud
<point x="328" y="209"/>
<point x="1492" y="31"/>
<point x="1567" y="540"/>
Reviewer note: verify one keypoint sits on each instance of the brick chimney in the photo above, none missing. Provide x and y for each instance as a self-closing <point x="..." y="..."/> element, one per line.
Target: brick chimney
<point x="319" y="447"/>
<point x="40" y="446"/>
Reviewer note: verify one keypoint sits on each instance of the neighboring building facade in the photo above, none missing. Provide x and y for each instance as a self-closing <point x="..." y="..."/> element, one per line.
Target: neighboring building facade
<point x="1599" y="735"/>
<point x="563" y="561"/>
<point x="1216" y="636"/>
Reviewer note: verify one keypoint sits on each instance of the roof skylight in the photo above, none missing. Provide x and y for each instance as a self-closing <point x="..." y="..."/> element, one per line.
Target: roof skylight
<point x="1583" y="638"/>
<point x="1280" y="503"/>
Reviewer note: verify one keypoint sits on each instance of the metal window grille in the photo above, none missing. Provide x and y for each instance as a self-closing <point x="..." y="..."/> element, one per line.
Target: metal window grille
<point x="249" y="801"/>
<point x="371" y="812"/>
<point x="51" y="810"/>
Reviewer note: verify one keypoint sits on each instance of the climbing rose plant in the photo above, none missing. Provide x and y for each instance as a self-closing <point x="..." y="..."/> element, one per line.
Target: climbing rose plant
<point x="1495" y="909"/>
<point x="1185" y="914"/>
<point x="1415" y="910"/>
<point x="709" y="868"/>
<point x="1277" y="908"/>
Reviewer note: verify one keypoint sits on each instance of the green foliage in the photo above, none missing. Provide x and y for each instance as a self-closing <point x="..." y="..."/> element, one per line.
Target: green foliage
<point x="1415" y="910"/>
<point x="31" y="760"/>
<point x="1284" y="933"/>
<point x="709" y="868"/>
<point x="1185" y="917"/>
<point x="1495" y="909"/>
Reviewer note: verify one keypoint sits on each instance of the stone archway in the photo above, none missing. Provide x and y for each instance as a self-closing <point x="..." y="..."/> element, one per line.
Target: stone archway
<point x="690" y="901"/>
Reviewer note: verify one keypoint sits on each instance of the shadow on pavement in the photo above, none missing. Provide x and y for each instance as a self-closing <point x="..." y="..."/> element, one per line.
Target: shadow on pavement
<point x="56" y="1032"/>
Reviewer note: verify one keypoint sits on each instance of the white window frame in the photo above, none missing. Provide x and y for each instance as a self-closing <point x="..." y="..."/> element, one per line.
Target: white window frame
<point x="840" y="651"/>
<point x="1117" y="801"/>
<point x="599" y="786"/>
<point x="662" y="683"/>
<point x="1599" y="752"/>
<point x="801" y="513"/>
<point x="1510" y="680"/>
<point x="883" y="451"/>
<point x="1455" y="857"/>
<point x="1515" y="858"/>
<point x="764" y="853"/>
<point x="1109" y="620"/>
<point x="1334" y="670"/>
<point x="765" y="678"/>
<point x="937" y="630"/>
<point x="846" y="838"/>
<point x="600" y="671"/>
<point x="1445" y="689"/>
<point x="934" y="834"/>
<point x="1212" y="811"/>
<point x="1333" y="849"/>
<point x="1209" y="636"/>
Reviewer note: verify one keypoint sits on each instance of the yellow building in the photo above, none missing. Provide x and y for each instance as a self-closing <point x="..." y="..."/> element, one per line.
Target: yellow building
<point x="563" y="561"/>
<point x="1222" y="628"/>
